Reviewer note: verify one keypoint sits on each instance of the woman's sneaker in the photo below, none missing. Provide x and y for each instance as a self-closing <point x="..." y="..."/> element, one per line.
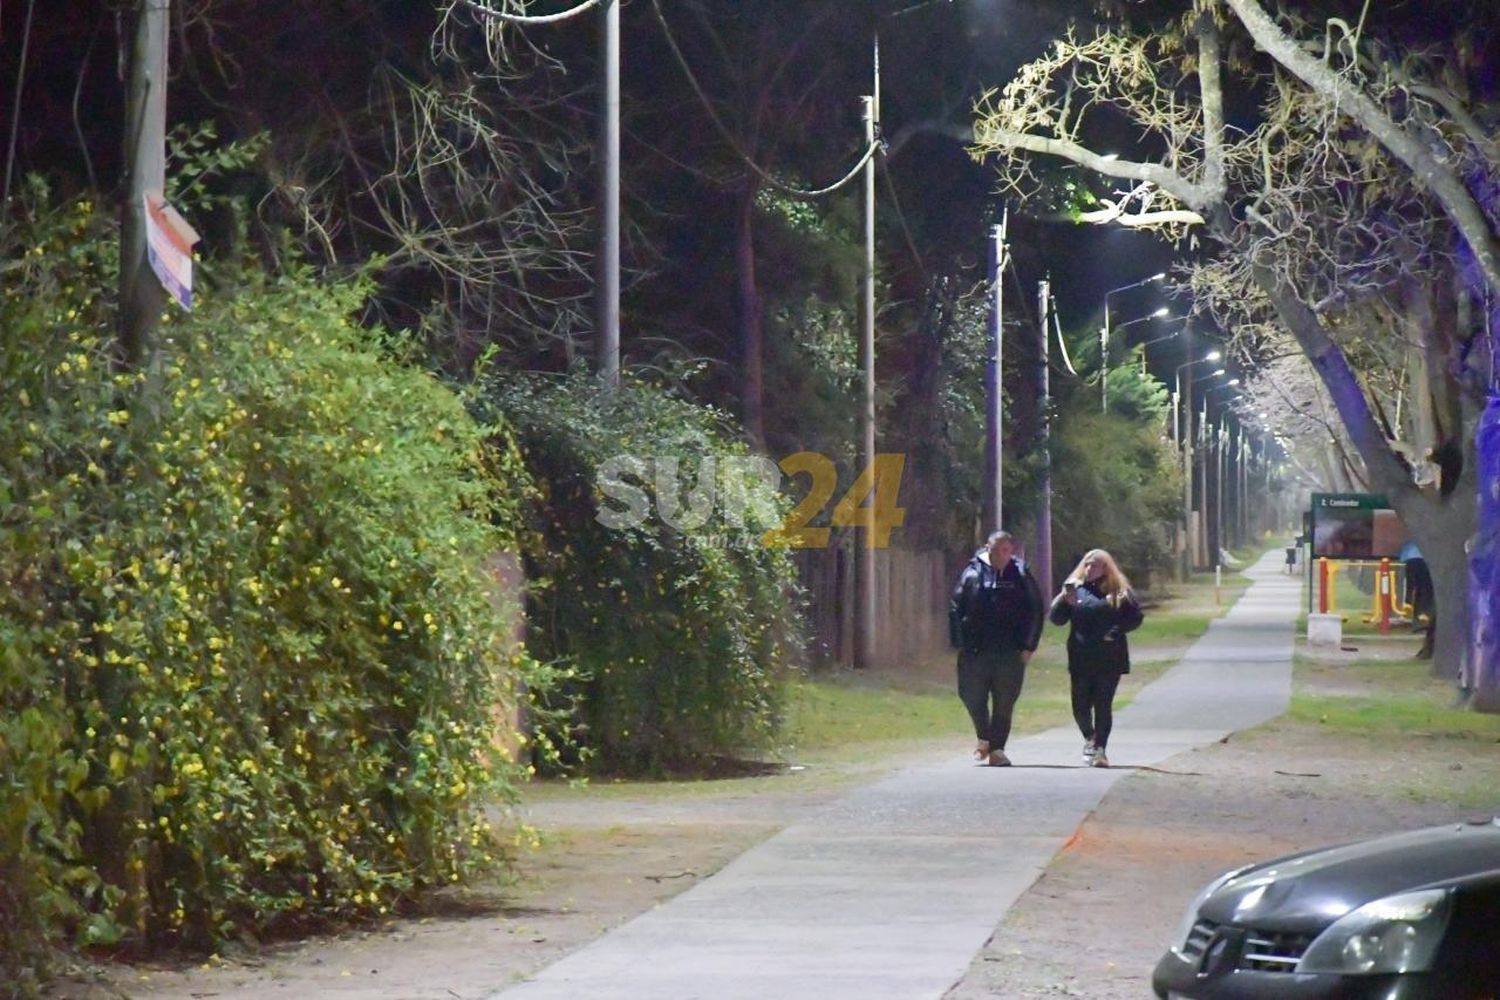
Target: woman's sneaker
<point x="1100" y="760"/>
<point x="1089" y="753"/>
<point x="998" y="759"/>
<point x="982" y="751"/>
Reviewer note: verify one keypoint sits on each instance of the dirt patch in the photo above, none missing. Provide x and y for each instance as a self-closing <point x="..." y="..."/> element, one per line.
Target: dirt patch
<point x="1097" y="921"/>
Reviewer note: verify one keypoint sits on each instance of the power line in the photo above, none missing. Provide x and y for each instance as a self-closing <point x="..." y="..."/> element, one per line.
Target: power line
<point x="500" y="15"/>
<point x="734" y="143"/>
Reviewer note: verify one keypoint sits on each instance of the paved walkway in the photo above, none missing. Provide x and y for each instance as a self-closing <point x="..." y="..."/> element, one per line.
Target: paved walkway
<point x="891" y="890"/>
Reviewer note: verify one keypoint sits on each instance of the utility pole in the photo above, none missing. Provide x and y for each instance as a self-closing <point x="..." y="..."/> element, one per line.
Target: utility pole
<point x="864" y="576"/>
<point x="1189" y="528"/>
<point x="607" y="280"/>
<point x="1043" y="560"/>
<point x="1104" y="359"/>
<point x="1221" y="433"/>
<point x="995" y="413"/>
<point x="1246" y="523"/>
<point x="142" y="297"/>
<point x="1200" y="513"/>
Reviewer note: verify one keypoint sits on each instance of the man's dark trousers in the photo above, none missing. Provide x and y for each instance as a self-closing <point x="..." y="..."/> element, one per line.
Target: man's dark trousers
<point x="989" y="682"/>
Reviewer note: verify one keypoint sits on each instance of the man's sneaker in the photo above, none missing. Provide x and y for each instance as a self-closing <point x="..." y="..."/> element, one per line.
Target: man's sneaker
<point x="998" y="759"/>
<point x="982" y="751"/>
<point x="1100" y="760"/>
<point x="1089" y="753"/>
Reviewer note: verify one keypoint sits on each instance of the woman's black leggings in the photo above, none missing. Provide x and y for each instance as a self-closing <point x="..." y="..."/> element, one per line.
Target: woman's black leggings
<point x="1094" y="704"/>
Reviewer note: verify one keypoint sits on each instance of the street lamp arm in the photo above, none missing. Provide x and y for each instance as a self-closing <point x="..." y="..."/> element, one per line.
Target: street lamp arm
<point x="1158" y="340"/>
<point x="1149" y="316"/>
<point x="1159" y="275"/>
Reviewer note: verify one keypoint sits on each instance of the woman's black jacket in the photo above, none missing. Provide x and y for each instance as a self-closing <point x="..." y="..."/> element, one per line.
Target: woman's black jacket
<point x="995" y="608"/>
<point x="1096" y="643"/>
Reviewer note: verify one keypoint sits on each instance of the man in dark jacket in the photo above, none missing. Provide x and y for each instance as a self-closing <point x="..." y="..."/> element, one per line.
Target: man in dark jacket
<point x="994" y="621"/>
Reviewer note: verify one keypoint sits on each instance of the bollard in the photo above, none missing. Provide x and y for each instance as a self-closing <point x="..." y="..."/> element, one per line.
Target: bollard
<point x="1383" y="595"/>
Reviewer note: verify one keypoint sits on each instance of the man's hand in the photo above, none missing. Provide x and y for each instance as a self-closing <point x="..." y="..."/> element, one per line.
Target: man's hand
<point x="1026" y="655"/>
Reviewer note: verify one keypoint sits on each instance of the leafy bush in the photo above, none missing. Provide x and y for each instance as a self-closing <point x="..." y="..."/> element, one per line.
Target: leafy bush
<point x="250" y="660"/>
<point x="1115" y="486"/>
<point x="677" y="639"/>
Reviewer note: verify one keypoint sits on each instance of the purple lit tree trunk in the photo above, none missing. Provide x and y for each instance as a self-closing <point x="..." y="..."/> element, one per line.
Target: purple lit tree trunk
<point x="1484" y="566"/>
<point x="1439" y="518"/>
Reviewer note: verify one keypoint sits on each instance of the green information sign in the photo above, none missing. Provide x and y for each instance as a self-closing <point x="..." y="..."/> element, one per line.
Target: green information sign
<point x="1355" y="526"/>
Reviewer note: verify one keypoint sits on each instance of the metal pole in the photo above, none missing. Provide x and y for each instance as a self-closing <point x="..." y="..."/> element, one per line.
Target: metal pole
<point x="995" y="436"/>
<point x="1200" y="509"/>
<point x="141" y="295"/>
<point x="607" y="280"/>
<point x="1246" y="524"/>
<point x="1219" y="460"/>
<point x="1190" y="530"/>
<point x="1104" y="359"/>
<point x="1043" y="561"/>
<point x="864" y="607"/>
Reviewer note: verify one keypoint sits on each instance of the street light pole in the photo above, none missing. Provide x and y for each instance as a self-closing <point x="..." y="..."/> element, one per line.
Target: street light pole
<point x="1183" y="397"/>
<point x="1220" y="468"/>
<point x="141" y="295"/>
<point x="864" y="548"/>
<point x="1200" y="553"/>
<point x="1104" y="337"/>
<point x="995" y="437"/>
<point x="1157" y="340"/>
<point x="1043" y="561"/>
<point x="607" y="289"/>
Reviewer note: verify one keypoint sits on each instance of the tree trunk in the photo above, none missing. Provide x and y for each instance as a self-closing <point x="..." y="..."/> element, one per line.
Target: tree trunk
<point x="1441" y="519"/>
<point x="1441" y="528"/>
<point x="752" y="331"/>
<point x="928" y="510"/>
<point x="1484" y="566"/>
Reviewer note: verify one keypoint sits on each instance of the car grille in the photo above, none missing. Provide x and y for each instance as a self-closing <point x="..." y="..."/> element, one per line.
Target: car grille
<point x="1198" y="939"/>
<point x="1270" y="952"/>
<point x="1264" y="951"/>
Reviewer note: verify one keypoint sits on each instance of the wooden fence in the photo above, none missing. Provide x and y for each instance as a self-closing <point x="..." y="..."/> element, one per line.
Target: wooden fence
<point x="911" y="604"/>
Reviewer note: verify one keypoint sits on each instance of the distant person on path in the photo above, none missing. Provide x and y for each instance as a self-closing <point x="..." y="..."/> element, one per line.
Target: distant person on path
<point x="1097" y="599"/>
<point x="994" y="621"/>
<point x="1420" y="595"/>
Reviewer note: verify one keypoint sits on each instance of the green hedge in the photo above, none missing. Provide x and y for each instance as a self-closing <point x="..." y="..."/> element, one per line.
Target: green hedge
<point x="250" y="661"/>
<point x="677" y="640"/>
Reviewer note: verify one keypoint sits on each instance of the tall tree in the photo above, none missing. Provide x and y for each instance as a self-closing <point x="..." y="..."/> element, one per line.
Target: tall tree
<point x="1312" y="222"/>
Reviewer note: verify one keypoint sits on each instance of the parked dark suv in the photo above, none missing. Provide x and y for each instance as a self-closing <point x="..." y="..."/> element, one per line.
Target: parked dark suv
<point x="1408" y="916"/>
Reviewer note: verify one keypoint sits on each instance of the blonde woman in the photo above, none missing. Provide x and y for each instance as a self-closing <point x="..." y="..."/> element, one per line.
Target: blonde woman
<point x="1098" y="602"/>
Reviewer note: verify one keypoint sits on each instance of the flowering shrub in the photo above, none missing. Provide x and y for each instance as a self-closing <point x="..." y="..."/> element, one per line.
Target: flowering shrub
<point x="250" y="663"/>
<point x="676" y="640"/>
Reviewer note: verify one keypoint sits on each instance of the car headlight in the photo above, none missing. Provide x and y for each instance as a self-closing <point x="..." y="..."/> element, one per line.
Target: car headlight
<point x="1396" y="934"/>
<point x="1179" y="940"/>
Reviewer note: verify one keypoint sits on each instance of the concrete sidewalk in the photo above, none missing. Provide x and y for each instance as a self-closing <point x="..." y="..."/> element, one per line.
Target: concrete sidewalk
<point x="891" y="890"/>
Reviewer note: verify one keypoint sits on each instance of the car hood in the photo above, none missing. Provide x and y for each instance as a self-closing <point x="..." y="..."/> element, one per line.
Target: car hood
<point x="1304" y="893"/>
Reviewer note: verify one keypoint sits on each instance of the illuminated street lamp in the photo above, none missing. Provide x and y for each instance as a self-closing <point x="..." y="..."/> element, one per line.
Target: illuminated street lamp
<point x="1157" y="340"/>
